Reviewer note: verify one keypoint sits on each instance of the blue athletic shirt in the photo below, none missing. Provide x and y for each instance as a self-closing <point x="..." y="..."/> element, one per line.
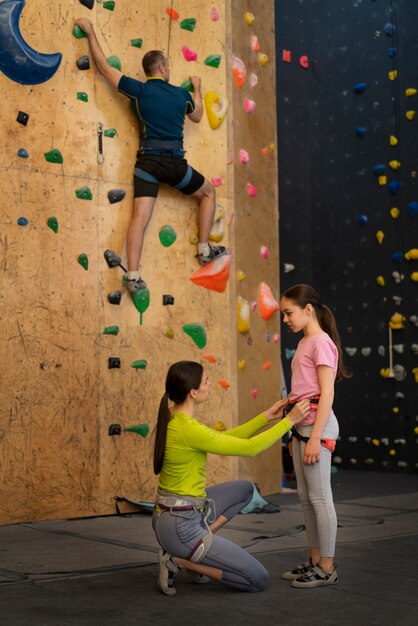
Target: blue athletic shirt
<point x="161" y="107"/>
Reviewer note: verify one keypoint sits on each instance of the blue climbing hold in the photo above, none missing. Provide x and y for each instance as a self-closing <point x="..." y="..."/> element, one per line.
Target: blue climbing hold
<point x="22" y="153"/>
<point x="390" y="29"/>
<point x="359" y="87"/>
<point x="23" y="221"/>
<point x="397" y="257"/>
<point x="412" y="209"/>
<point x="394" y="187"/>
<point x="18" y="61"/>
<point x="391" y="52"/>
<point x="379" y="169"/>
<point x="361" y="131"/>
<point x="362" y="219"/>
<point x="289" y="354"/>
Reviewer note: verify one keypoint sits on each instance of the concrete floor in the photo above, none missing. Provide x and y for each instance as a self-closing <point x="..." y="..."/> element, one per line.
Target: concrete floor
<point x="102" y="571"/>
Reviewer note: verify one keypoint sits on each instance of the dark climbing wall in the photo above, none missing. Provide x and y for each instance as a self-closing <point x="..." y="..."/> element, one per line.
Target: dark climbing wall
<point x="342" y="104"/>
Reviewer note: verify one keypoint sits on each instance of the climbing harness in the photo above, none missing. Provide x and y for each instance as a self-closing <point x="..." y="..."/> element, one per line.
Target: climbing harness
<point x="327" y="443"/>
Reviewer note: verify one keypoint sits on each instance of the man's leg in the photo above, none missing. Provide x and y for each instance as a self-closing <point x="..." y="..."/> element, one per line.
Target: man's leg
<point x="206" y="197"/>
<point x="142" y="212"/>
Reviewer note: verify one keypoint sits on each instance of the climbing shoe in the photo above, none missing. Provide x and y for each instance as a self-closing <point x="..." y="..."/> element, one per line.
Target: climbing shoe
<point x="135" y="284"/>
<point x="298" y="571"/>
<point x="215" y="252"/>
<point x="167" y="573"/>
<point x="316" y="577"/>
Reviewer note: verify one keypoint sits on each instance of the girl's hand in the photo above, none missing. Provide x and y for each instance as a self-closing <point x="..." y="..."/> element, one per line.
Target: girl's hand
<point x="299" y="412"/>
<point x="312" y="451"/>
<point x="276" y="411"/>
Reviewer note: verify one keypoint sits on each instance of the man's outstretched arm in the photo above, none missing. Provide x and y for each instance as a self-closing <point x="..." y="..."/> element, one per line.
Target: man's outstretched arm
<point x="196" y="115"/>
<point x="110" y="74"/>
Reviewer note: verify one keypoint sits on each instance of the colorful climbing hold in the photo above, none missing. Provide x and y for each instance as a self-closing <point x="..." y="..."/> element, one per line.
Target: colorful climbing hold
<point x="253" y="80"/>
<point x="390" y="29"/>
<point x="219" y="426"/>
<point x="81" y="95"/>
<point x="394" y="187"/>
<point x="197" y="333"/>
<point x="239" y="71"/>
<point x="188" y="54"/>
<point x="22" y="153"/>
<point x="111" y="330"/>
<point x="213" y="275"/>
<point x="242" y="364"/>
<point x="378" y="169"/>
<point x="266" y="303"/>
<point x="110" y="132"/>
<point x="240" y="276"/>
<point x="286" y="56"/>
<point x="22" y="221"/>
<point x="393" y="140"/>
<point x="209" y="358"/>
<point x="362" y="219"/>
<point x="214" y="14"/>
<point x="359" y="87"/>
<point x="254" y="44"/>
<point x="139" y="429"/>
<point x="113" y="362"/>
<point x="213" y="60"/>
<point x="187" y="85"/>
<point x="412" y="254"/>
<point x="410" y="115"/>
<point x="244" y="157"/>
<point x="395" y="212"/>
<point x="224" y="383"/>
<point x="266" y="365"/>
<point x="410" y="92"/>
<point x="380" y="235"/>
<point x="249" y="18"/>
<point x="109" y="5"/>
<point x="249" y="106"/>
<point x="84" y="261"/>
<point x="172" y="14"/>
<point x="380" y="281"/>
<point x="141" y="300"/>
<point x="169" y="333"/>
<point x="360" y="131"/>
<point x="254" y="393"/>
<point x="167" y="236"/>
<point x="412" y="209"/>
<point x="54" y="156"/>
<point x="139" y="365"/>
<point x="243" y="315"/>
<point x="84" y="193"/>
<point x="304" y="61"/>
<point x="78" y="33"/>
<point x="393" y="74"/>
<point x="136" y="43"/>
<point x="114" y="61"/>
<point x="395" y="165"/>
<point x="382" y="180"/>
<point x="215" y="117"/>
<point x="391" y="53"/>
<point x="251" y="190"/>
<point x="264" y="251"/>
<point x="53" y="224"/>
<point x="262" y="59"/>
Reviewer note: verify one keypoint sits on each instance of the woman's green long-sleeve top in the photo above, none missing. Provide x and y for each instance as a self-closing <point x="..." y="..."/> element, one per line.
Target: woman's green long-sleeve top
<point x="189" y="441"/>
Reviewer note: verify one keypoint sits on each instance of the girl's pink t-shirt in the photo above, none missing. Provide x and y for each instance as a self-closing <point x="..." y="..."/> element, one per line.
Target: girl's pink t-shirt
<point x="311" y="352"/>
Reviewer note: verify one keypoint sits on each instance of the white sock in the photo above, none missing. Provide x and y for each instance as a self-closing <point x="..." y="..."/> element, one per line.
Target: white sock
<point x="133" y="275"/>
<point x="203" y="248"/>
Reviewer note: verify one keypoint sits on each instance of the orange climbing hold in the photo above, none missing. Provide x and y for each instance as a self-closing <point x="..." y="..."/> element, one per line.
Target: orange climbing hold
<point x="266" y="302"/>
<point x="172" y="14"/>
<point x="209" y="358"/>
<point x="214" y="275"/>
<point x="224" y="383"/>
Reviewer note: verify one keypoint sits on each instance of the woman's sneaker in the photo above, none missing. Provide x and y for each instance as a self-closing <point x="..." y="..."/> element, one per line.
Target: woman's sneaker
<point x="298" y="571"/>
<point x="167" y="573"/>
<point x="316" y="577"/>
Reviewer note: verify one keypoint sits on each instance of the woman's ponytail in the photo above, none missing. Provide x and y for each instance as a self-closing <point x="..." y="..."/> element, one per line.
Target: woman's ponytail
<point x="161" y="434"/>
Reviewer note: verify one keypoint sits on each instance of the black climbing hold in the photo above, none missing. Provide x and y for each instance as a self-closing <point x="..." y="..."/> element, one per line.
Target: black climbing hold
<point x="116" y="195"/>
<point x="22" y="118"/>
<point x="114" y="297"/>
<point x="87" y="3"/>
<point x="114" y="362"/>
<point x="167" y="299"/>
<point x="113" y="259"/>
<point x="115" y="429"/>
<point x="83" y="63"/>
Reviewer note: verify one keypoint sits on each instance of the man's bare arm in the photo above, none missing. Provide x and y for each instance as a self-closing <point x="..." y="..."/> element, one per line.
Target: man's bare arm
<point x="110" y="74"/>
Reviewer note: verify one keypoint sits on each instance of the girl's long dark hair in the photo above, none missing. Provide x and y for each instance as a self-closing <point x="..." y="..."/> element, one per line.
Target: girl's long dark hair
<point x="302" y="295"/>
<point x="182" y="377"/>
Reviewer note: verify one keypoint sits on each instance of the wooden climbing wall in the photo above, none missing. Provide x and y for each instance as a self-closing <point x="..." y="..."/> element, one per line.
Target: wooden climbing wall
<point x="58" y="394"/>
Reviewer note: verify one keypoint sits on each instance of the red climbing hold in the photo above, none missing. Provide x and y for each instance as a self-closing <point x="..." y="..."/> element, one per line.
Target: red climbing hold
<point x="214" y="275"/>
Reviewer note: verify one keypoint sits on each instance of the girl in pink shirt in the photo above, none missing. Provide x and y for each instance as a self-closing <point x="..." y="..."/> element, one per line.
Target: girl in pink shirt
<point x="316" y="365"/>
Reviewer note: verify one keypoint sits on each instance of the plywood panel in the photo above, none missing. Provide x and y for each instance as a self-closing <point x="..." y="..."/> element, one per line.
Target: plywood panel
<point x="59" y="394"/>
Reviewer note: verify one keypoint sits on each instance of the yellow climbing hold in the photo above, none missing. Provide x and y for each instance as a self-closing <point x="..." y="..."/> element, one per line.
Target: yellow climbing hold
<point x="385" y="372"/>
<point x="395" y="409"/>
<point x="249" y="18"/>
<point x="393" y="74"/>
<point x="411" y="255"/>
<point x="169" y="333"/>
<point x="240" y="276"/>
<point x="242" y="364"/>
<point x="243" y="311"/>
<point x="410" y="92"/>
<point x="395" y="212"/>
<point x="376" y="442"/>
<point x="395" y="165"/>
<point x="219" y="426"/>
<point x="380" y="235"/>
<point x="415" y="373"/>
<point x="393" y="140"/>
<point x="380" y="281"/>
<point x="262" y="59"/>
<point x="218" y="229"/>
<point x="392" y="452"/>
<point x="193" y="239"/>
<point x="410" y="115"/>
<point x="216" y="108"/>
<point x="382" y="180"/>
<point x="416" y="430"/>
<point x="414" y="277"/>
<point x="397" y="321"/>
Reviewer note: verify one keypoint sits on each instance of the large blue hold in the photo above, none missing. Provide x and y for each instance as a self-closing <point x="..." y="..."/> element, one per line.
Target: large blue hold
<point x="395" y="187"/>
<point x="359" y="87"/>
<point x="19" y="61"/>
<point x="412" y="209"/>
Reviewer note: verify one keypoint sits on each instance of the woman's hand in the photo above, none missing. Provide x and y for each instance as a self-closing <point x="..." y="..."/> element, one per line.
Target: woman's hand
<point x="312" y="451"/>
<point x="299" y="412"/>
<point x="276" y="411"/>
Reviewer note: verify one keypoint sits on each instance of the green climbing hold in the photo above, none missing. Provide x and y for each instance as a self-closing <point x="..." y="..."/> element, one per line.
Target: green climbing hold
<point x="136" y="43"/>
<point x="110" y="132"/>
<point x="84" y="193"/>
<point x="141" y="301"/>
<point x="111" y="330"/>
<point x="78" y="33"/>
<point x="53" y="224"/>
<point x="81" y="95"/>
<point x="213" y="60"/>
<point x="139" y="365"/>
<point x="54" y="156"/>
<point x="187" y="85"/>
<point x="188" y="24"/>
<point x="197" y="333"/>
<point x="109" y="5"/>
<point x="84" y="261"/>
<point x="167" y="236"/>
<point x="114" y="61"/>
<point x="139" y="429"/>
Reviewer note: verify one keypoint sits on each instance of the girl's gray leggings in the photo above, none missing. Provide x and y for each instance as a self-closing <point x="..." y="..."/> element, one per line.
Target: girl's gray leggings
<point x="178" y="532"/>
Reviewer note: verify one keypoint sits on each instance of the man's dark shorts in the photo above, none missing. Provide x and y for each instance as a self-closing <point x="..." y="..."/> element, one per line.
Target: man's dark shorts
<point x="151" y="169"/>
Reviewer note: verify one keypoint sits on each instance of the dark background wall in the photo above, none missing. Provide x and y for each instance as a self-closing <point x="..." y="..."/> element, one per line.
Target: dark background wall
<point x="327" y="188"/>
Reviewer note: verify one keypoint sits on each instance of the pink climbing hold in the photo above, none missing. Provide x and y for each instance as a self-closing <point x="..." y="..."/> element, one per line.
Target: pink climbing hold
<point x="188" y="54"/>
<point x="254" y="393"/>
<point x="304" y="62"/>
<point x="264" y="251"/>
<point x="244" y="157"/>
<point x="251" y="190"/>
<point x="255" y="46"/>
<point x="230" y="158"/>
<point x="253" y="80"/>
<point x="217" y="181"/>
<point x="214" y="14"/>
<point x="249" y="106"/>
